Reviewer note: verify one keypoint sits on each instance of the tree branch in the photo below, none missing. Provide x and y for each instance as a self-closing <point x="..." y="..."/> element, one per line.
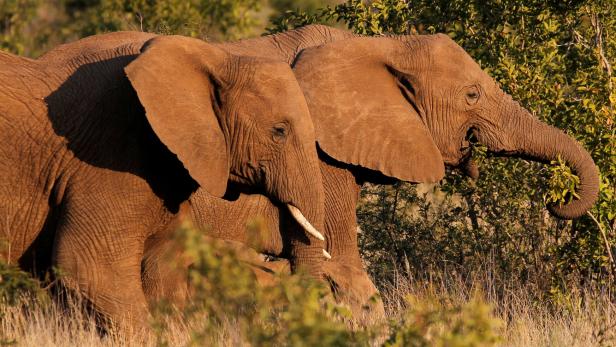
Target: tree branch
<point x="606" y="241"/>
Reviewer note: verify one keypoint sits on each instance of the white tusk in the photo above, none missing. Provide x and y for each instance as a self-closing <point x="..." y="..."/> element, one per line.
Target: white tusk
<point x="299" y="217"/>
<point x="326" y="254"/>
<point x="359" y="231"/>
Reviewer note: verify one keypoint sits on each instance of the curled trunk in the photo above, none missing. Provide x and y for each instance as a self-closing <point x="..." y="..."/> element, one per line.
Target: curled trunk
<point x="526" y="136"/>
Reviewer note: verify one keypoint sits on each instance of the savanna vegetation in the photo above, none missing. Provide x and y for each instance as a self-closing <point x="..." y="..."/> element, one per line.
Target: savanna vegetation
<point x="462" y="263"/>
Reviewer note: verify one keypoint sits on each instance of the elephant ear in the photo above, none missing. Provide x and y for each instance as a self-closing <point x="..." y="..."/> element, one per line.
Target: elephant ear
<point x="362" y="112"/>
<point x="176" y="79"/>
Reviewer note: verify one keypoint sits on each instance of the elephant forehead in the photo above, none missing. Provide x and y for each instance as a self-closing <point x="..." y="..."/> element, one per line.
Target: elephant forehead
<point x="276" y="103"/>
<point x="273" y="81"/>
<point x="455" y="64"/>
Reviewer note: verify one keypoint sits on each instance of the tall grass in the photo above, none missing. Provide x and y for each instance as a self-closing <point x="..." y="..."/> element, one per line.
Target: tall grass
<point x="585" y="317"/>
<point x="445" y="309"/>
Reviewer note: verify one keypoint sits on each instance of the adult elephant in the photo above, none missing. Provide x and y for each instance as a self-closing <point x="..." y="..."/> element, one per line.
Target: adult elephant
<point x="400" y="108"/>
<point x="103" y="139"/>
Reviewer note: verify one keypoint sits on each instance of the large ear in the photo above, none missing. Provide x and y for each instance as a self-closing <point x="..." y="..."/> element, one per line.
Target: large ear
<point x="176" y="79"/>
<point x="362" y="112"/>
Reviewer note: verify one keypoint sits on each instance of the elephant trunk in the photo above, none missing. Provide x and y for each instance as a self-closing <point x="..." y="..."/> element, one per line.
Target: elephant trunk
<point x="304" y="201"/>
<point x="524" y="135"/>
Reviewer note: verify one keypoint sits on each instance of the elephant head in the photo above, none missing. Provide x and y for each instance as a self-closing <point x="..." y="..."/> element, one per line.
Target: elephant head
<point x="406" y="106"/>
<point x="231" y="118"/>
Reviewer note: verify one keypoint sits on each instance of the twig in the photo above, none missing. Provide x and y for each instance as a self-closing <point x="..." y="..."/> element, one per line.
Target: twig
<point x="596" y="24"/>
<point x="140" y="21"/>
<point x="579" y="39"/>
<point x="606" y="241"/>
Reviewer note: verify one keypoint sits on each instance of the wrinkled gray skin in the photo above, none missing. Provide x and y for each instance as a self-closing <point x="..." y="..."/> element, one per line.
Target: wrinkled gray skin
<point x="396" y="107"/>
<point x="82" y="161"/>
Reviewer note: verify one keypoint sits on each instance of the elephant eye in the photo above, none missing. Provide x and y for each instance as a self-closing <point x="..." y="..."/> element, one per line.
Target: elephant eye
<point x="472" y="95"/>
<point x="280" y="132"/>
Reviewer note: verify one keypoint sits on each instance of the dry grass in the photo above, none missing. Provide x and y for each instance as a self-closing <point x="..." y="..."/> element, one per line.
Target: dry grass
<point x="34" y="324"/>
<point x="585" y="319"/>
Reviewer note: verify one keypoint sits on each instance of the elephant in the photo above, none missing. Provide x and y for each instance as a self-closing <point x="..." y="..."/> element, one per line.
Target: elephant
<point x="103" y="139"/>
<point x="164" y="274"/>
<point x="384" y="109"/>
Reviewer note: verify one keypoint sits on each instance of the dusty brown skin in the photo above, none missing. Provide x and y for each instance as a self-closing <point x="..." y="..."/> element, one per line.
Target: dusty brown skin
<point x="403" y="107"/>
<point x="81" y="157"/>
<point x="227" y="220"/>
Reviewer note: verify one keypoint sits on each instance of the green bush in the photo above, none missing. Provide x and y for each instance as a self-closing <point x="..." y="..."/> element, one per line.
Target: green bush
<point x="293" y="311"/>
<point x="432" y="322"/>
<point x="297" y="311"/>
<point x="16" y="284"/>
<point x="214" y="19"/>
<point x="15" y="16"/>
<point x="31" y="27"/>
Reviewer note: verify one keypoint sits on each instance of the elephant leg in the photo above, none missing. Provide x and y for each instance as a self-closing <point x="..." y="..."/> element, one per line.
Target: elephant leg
<point x="98" y="250"/>
<point x="112" y="287"/>
<point x="164" y="273"/>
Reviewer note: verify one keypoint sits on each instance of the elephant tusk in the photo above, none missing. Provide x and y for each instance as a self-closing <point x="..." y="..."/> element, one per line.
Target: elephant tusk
<point x="299" y="217"/>
<point x="359" y="231"/>
<point x="326" y="254"/>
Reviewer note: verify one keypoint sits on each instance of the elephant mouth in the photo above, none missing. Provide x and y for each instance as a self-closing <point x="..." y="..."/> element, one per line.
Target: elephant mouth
<point x="464" y="160"/>
<point x="465" y="152"/>
<point x="467" y="144"/>
<point x="458" y="157"/>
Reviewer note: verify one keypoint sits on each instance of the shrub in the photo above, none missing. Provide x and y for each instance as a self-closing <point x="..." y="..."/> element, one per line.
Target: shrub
<point x="434" y="322"/>
<point x="15" y="284"/>
<point x="293" y="310"/>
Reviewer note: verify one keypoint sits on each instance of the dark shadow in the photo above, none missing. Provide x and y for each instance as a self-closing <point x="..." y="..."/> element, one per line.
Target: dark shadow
<point x="98" y="113"/>
<point x="362" y="175"/>
<point x="37" y="259"/>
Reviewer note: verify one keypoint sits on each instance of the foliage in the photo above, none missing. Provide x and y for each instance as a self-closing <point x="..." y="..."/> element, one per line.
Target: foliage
<point x="292" y="311"/>
<point x="15" y="287"/>
<point x="30" y="27"/>
<point x="556" y="59"/>
<point x="289" y="311"/>
<point x="14" y="18"/>
<point x="14" y="284"/>
<point x="563" y="183"/>
<point x="437" y="323"/>
<point x="280" y="7"/>
<point x="297" y="311"/>
<point x="219" y="18"/>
